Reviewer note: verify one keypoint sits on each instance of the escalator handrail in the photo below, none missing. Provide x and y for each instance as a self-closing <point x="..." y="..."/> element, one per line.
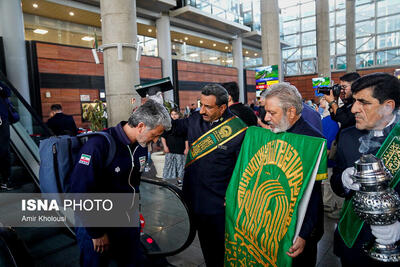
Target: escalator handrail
<point x="26" y="104"/>
<point x="192" y="230"/>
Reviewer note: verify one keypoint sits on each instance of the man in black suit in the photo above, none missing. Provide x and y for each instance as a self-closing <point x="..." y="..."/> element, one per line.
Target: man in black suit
<point x="61" y="123"/>
<point x="246" y="114"/>
<point x="283" y="108"/>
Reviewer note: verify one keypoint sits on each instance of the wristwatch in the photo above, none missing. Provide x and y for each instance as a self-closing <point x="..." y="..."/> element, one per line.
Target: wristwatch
<point x="331" y="103"/>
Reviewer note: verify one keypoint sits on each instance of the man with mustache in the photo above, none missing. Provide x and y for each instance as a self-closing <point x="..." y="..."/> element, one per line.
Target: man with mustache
<point x="376" y="103"/>
<point x="283" y="106"/>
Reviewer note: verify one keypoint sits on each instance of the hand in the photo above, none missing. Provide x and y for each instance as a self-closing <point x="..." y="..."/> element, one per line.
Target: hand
<point x="101" y="244"/>
<point x="186" y="151"/>
<point x="386" y="234"/>
<point x="297" y="247"/>
<point x="329" y="98"/>
<point x="166" y="149"/>
<point x="348" y="181"/>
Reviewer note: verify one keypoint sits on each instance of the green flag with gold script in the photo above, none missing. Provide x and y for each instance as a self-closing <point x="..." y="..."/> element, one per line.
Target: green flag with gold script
<point x="268" y="195"/>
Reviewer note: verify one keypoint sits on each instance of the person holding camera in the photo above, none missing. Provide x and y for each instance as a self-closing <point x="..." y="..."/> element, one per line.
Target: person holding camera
<point x="343" y="114"/>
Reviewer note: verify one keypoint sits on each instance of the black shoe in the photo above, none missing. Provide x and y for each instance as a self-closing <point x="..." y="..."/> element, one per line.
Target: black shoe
<point x="8" y="186"/>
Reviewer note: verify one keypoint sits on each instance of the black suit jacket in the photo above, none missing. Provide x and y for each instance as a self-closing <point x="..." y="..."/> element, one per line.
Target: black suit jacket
<point x="62" y="124"/>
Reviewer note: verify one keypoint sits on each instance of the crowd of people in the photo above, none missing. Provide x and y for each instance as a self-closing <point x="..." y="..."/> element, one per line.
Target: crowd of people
<point x="365" y="111"/>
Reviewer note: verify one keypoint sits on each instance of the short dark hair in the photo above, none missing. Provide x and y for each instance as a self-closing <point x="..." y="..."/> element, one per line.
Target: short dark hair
<point x="233" y="90"/>
<point x="384" y="86"/>
<point x="56" y="107"/>
<point x="218" y="91"/>
<point x="350" y="77"/>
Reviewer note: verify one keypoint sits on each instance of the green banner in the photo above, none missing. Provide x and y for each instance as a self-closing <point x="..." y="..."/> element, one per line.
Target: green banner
<point x="272" y="174"/>
<point x="350" y="224"/>
<point x="215" y="137"/>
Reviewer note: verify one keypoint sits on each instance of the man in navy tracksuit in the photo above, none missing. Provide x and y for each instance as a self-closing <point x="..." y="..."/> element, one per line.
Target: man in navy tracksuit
<point x="283" y="106"/>
<point x="90" y="175"/>
<point x="207" y="175"/>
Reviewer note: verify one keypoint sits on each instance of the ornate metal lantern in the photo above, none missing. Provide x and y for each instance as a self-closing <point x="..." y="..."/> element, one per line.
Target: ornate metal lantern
<point x="376" y="203"/>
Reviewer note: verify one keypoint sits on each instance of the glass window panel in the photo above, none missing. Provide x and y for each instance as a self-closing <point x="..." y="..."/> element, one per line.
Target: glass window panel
<point x="332" y="34"/>
<point x="364" y="60"/>
<point x="293" y="40"/>
<point x="389" y="24"/>
<point x="365" y="44"/>
<point x="340" y="4"/>
<point x="331" y="18"/>
<point x="291" y="54"/>
<point x="308" y="38"/>
<point x="309" y="51"/>
<point x="341" y="32"/>
<point x="365" y="12"/>
<point x="332" y="62"/>
<point x="291" y="27"/>
<point x="332" y="47"/>
<point x="292" y="68"/>
<point x="308" y="24"/>
<point x="360" y="2"/>
<point x="341" y="17"/>
<point x="331" y="6"/>
<point x="308" y="9"/>
<point x="307" y="67"/>
<point x="286" y="3"/>
<point x="365" y="28"/>
<point x="388" y="57"/>
<point x="388" y="40"/>
<point x="341" y="47"/>
<point x="388" y="7"/>
<point x="290" y="13"/>
<point x="341" y="63"/>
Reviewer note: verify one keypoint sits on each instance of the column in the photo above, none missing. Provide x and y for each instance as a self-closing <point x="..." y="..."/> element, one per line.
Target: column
<point x="350" y="36"/>
<point x="119" y="26"/>
<point x="12" y="31"/>
<point x="270" y="37"/>
<point x="237" y="52"/>
<point x="323" y="45"/>
<point x="164" y="50"/>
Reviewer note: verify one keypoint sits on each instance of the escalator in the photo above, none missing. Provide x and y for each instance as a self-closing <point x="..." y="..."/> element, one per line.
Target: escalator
<point x="167" y="229"/>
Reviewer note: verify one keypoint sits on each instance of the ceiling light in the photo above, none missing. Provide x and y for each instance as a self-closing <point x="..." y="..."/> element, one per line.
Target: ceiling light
<point x="201" y="41"/>
<point x="247" y="58"/>
<point x="226" y="47"/>
<point x="194" y="55"/>
<point x="186" y="38"/>
<point x="40" y="31"/>
<point x="255" y="54"/>
<point x="173" y="46"/>
<point x="149" y="30"/>
<point x="214" y="45"/>
<point x="213" y="58"/>
<point x="87" y="38"/>
<point x="71" y="13"/>
<point x="35" y="5"/>
<point x="101" y="20"/>
<point x="229" y="61"/>
<point x="247" y="52"/>
<point x="176" y="40"/>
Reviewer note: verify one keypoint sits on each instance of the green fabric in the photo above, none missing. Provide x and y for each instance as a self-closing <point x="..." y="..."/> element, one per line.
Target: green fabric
<point x="215" y="137"/>
<point x="270" y="177"/>
<point x="350" y="224"/>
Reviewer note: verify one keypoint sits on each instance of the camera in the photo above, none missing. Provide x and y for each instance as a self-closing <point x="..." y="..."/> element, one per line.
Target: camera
<point x="336" y="88"/>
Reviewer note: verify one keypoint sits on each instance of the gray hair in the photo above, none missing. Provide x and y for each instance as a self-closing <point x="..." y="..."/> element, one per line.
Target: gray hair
<point x="218" y="91"/>
<point x="287" y="94"/>
<point x="152" y="114"/>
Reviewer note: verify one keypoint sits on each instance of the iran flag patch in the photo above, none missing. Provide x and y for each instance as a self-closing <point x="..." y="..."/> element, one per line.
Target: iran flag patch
<point x="85" y="159"/>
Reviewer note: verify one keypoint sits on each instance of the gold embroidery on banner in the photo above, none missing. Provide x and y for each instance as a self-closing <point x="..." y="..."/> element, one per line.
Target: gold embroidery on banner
<point x="222" y="133"/>
<point x="391" y="156"/>
<point x="201" y="146"/>
<point x="265" y="210"/>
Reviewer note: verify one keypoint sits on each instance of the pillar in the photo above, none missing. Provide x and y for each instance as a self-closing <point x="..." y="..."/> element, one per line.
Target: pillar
<point x="350" y="36"/>
<point x="237" y="52"/>
<point x="12" y="30"/>
<point x="120" y="76"/>
<point x="270" y="37"/>
<point x="164" y="50"/>
<point x="323" y="45"/>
